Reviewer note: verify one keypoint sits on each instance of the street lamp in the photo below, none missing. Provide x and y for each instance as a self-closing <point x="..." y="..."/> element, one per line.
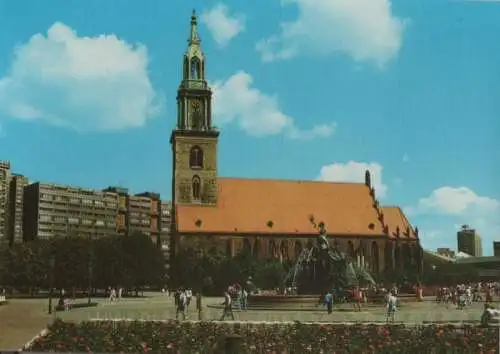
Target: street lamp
<point x="89" y="290"/>
<point x="52" y="263"/>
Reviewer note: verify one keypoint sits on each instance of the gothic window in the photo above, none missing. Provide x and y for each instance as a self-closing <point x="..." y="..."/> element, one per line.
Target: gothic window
<point x="350" y="249"/>
<point x="196" y="187"/>
<point x="186" y="67"/>
<point x="375" y="257"/>
<point x="298" y="248"/>
<point x="196" y="157"/>
<point x="195" y="68"/>
<point x="247" y="247"/>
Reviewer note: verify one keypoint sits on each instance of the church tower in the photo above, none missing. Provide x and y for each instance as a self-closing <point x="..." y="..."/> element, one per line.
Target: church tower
<point x="194" y="139"/>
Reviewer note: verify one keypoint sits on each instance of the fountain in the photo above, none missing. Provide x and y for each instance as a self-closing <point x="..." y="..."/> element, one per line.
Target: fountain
<point x="317" y="269"/>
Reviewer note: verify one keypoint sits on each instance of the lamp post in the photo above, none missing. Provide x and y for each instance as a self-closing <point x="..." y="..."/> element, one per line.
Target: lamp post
<point x="52" y="263"/>
<point x="89" y="290"/>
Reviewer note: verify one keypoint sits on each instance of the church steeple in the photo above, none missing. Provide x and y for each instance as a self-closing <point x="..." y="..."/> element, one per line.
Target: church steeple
<point x="194" y="60"/>
<point x="194" y="139"/>
<point x="194" y="95"/>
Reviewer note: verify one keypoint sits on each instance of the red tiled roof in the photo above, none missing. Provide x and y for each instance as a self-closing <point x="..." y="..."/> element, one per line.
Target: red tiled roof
<point x="394" y="218"/>
<point x="247" y="206"/>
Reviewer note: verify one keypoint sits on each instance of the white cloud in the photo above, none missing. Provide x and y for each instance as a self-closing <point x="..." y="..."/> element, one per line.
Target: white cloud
<point x="222" y="25"/>
<point x="406" y="158"/>
<point x="353" y="171"/>
<point x="451" y="207"/>
<point x="85" y="83"/>
<point x="430" y="235"/>
<point x="456" y="201"/>
<point x="258" y="114"/>
<point x="366" y="30"/>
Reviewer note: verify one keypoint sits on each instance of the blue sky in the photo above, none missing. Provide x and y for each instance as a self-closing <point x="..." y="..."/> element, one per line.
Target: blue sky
<point x="304" y="89"/>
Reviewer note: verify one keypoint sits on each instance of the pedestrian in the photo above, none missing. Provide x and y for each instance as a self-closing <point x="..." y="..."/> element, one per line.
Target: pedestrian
<point x="329" y="302"/>
<point x="391" y="307"/>
<point x="244" y="299"/>
<point x="180" y="302"/>
<point x="357" y="296"/>
<point x="228" y="309"/>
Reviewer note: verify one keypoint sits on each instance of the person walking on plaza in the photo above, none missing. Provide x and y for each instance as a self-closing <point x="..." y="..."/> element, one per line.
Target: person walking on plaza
<point x="228" y="309"/>
<point x="180" y="303"/>
<point x="189" y="297"/>
<point x="244" y="298"/>
<point x="357" y="296"/>
<point x="391" y="307"/>
<point x="329" y="302"/>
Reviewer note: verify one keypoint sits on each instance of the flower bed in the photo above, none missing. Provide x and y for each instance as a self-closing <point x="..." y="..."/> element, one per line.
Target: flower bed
<point x="207" y="337"/>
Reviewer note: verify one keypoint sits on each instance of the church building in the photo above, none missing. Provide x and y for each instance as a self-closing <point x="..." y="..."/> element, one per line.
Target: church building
<point x="271" y="218"/>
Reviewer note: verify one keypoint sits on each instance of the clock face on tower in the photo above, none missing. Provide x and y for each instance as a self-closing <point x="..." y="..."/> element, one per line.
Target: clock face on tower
<point x="196" y="105"/>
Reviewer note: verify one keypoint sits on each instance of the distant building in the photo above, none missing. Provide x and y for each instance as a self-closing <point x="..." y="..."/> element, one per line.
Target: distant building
<point x="16" y="207"/>
<point x="52" y="210"/>
<point x="469" y="241"/>
<point x="496" y="248"/>
<point x="447" y="252"/>
<point x="5" y="176"/>
<point x="45" y="210"/>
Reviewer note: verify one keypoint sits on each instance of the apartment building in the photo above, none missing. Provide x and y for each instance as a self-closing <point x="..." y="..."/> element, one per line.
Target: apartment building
<point x="52" y="210"/>
<point x="165" y="227"/>
<point x="17" y="184"/>
<point x="5" y="176"/>
<point x="144" y="212"/>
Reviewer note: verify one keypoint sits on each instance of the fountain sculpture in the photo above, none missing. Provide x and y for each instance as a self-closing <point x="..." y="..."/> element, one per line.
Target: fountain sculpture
<point x="323" y="268"/>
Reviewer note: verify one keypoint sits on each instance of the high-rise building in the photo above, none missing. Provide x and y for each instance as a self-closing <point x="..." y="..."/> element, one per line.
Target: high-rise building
<point x="5" y="176"/>
<point x="496" y="248"/>
<point x="52" y="210"/>
<point x="17" y="184"/>
<point x="469" y="241"/>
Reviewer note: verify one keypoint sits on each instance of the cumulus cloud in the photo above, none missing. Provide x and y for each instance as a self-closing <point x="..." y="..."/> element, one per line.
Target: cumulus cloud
<point x="366" y="30"/>
<point x="353" y="171"/>
<point x="84" y="83"/>
<point x="456" y="201"/>
<point x="456" y="206"/>
<point x="222" y="25"/>
<point x="258" y="114"/>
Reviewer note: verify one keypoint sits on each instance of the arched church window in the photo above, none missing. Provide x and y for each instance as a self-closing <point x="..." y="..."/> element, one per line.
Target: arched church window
<point x="186" y="67"/>
<point x="196" y="157"/>
<point x="195" y="69"/>
<point x="196" y="187"/>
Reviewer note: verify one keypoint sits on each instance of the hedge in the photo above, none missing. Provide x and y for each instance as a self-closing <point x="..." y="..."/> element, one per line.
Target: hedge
<point x="207" y="337"/>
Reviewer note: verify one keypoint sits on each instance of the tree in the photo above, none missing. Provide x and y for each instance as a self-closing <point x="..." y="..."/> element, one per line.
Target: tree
<point x="143" y="261"/>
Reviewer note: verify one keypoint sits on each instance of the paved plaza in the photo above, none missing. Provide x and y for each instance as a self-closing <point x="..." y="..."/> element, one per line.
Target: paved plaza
<point x="21" y="319"/>
<point x="161" y="307"/>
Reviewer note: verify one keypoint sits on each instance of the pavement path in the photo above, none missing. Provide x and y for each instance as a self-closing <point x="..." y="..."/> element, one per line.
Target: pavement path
<point x="22" y="319"/>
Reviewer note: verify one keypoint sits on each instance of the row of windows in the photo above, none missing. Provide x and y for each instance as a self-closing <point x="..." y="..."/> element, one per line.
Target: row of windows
<point x="84" y="201"/>
<point x="60" y="218"/>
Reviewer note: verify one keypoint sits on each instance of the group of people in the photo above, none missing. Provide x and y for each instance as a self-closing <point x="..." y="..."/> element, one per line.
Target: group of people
<point x="182" y="300"/>
<point x="357" y="296"/>
<point x="463" y="295"/>
<point x="113" y="294"/>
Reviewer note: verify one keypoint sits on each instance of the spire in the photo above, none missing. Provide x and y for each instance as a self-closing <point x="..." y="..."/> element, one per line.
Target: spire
<point x="193" y="36"/>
